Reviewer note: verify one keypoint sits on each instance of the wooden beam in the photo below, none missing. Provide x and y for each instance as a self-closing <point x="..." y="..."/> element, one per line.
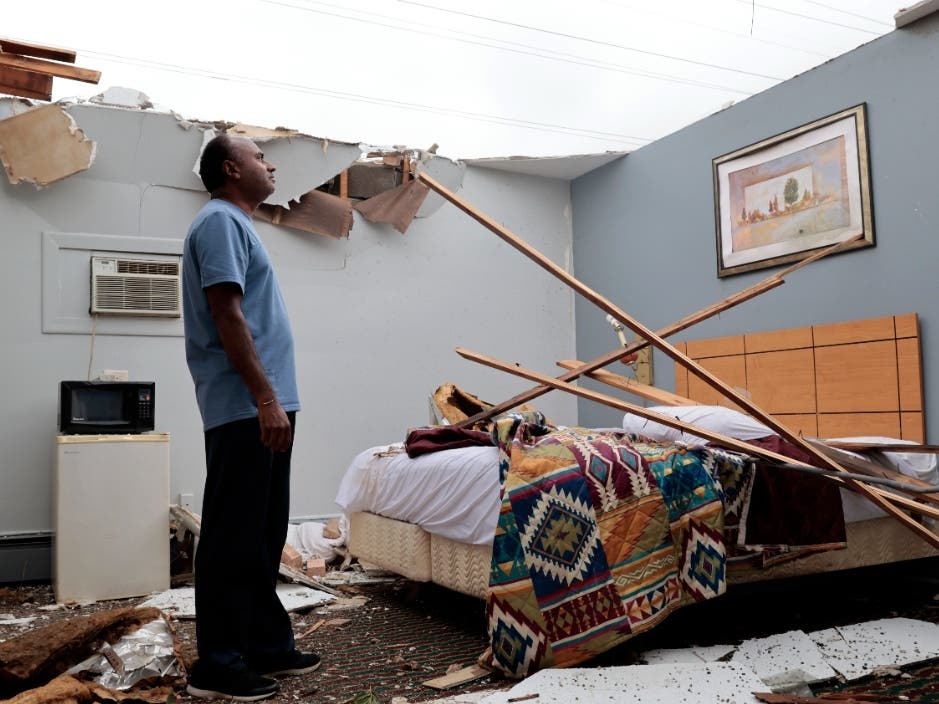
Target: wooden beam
<point x="38" y="50"/>
<point x="49" y="68"/>
<point x="625" y="383"/>
<point x="881" y="498"/>
<point x="27" y="84"/>
<point x="621" y="352"/>
<point x="766" y="284"/>
<point x="661" y="344"/>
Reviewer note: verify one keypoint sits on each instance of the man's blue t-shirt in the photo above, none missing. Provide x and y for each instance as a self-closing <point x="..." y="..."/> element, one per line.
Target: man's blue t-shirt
<point x="223" y="247"/>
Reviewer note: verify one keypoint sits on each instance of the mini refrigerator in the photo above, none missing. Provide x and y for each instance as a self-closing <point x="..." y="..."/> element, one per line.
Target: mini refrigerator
<point x="111" y="496"/>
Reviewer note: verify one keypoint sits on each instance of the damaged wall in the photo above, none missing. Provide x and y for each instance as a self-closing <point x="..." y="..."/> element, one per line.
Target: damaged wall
<point x="376" y="316"/>
<point x="644" y="230"/>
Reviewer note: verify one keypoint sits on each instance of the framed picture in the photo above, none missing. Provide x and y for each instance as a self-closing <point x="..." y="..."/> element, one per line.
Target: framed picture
<point x="778" y="200"/>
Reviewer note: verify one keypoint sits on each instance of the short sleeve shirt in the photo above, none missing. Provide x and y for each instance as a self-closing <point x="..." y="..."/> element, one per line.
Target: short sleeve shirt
<point x="222" y="246"/>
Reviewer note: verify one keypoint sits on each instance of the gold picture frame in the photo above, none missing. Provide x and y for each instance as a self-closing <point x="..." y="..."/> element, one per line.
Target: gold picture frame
<point x="780" y="199"/>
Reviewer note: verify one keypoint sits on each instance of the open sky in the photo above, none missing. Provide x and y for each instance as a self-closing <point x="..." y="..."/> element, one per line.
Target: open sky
<point x="477" y="77"/>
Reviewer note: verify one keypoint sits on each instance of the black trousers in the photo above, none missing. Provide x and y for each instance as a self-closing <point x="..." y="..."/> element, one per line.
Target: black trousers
<point x="245" y="509"/>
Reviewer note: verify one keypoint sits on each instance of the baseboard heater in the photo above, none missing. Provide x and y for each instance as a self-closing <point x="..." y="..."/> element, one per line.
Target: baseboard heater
<point x="25" y="557"/>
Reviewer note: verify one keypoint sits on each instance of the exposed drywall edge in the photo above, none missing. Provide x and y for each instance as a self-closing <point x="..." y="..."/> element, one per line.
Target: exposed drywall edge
<point x="44" y="145"/>
<point x="302" y="162"/>
<point x="908" y="15"/>
<point x="446" y="172"/>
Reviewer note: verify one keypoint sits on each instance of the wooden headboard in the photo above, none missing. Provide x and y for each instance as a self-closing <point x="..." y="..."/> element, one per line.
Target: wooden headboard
<point x="861" y="377"/>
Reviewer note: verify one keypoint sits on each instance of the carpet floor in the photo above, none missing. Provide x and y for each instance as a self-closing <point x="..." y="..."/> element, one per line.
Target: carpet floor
<point x="405" y="633"/>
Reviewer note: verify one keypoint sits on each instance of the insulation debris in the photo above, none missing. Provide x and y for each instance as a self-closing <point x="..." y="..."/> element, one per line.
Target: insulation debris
<point x="38" y="655"/>
<point x="316" y="212"/>
<point x="396" y="207"/>
<point x="43" y="145"/>
<point x="68" y="690"/>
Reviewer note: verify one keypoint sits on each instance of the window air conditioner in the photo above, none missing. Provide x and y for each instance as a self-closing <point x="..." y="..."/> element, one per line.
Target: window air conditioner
<point x="148" y="287"/>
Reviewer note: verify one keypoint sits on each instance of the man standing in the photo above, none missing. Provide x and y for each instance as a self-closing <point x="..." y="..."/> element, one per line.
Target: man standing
<point x="239" y="348"/>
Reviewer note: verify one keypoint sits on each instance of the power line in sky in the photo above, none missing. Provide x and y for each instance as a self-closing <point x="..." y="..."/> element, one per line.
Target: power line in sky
<point x="538" y="52"/>
<point x="751" y="3"/>
<point x="593" y="41"/>
<point x="600" y="135"/>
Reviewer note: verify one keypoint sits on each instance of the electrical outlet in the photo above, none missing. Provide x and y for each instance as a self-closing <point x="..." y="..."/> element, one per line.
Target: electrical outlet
<point x="185" y="500"/>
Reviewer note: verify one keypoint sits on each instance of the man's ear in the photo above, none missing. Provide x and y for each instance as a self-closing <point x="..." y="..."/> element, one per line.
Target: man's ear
<point x="230" y="168"/>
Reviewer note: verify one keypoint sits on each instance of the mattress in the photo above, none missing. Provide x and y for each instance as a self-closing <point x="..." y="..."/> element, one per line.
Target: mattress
<point x="432" y="519"/>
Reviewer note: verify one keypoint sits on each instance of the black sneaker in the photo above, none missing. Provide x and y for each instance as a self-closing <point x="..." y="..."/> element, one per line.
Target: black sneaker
<point x="208" y="681"/>
<point x="292" y="663"/>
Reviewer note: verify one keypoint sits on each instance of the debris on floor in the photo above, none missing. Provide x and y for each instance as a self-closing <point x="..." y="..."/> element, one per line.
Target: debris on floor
<point x="181" y="602"/>
<point x="37" y="656"/>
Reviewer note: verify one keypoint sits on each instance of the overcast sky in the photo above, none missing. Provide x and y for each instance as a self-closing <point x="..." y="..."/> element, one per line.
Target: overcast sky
<point x="479" y="78"/>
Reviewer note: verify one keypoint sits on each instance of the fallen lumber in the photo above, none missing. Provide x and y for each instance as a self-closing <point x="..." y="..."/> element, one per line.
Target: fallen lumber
<point x="746" y="294"/>
<point x="680" y="357"/>
<point x="624" y="383"/>
<point x="883" y="498"/>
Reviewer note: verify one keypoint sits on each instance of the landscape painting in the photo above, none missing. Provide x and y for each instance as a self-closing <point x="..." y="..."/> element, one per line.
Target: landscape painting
<point x="782" y="198"/>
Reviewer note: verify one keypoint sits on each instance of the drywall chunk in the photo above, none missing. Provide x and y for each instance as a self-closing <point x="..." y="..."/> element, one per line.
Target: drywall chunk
<point x="43" y="145"/>
<point x="123" y="98"/>
<point x="447" y="173"/>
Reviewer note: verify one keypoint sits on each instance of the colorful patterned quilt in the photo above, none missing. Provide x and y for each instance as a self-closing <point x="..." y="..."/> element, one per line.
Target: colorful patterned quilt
<point x="599" y="538"/>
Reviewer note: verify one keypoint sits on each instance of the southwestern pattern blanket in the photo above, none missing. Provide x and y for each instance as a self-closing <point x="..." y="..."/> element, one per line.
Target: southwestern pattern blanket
<point x="599" y="538"/>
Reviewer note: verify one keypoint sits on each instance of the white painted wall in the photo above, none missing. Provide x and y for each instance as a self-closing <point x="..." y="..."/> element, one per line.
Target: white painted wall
<point x="376" y="317"/>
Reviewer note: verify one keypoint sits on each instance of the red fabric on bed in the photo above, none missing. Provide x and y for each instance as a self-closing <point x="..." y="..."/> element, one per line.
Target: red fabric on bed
<point x="421" y="441"/>
<point x="792" y="508"/>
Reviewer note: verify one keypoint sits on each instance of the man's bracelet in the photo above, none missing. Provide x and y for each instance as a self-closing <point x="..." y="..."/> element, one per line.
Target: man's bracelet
<point x="267" y="403"/>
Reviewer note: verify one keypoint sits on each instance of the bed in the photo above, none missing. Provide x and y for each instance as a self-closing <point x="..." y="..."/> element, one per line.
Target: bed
<point x="433" y="517"/>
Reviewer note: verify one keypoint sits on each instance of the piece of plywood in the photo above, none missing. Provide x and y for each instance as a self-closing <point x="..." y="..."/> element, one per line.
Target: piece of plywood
<point x="854" y="331"/>
<point x="913" y="427"/>
<point x="731" y="370"/>
<point x="801" y="423"/>
<point x="840" y="425"/>
<point x="869" y="370"/>
<point x="858" y="377"/>
<point x="906" y="325"/>
<point x="909" y="363"/>
<point x="458" y="677"/>
<point x="715" y="347"/>
<point x="27" y="84"/>
<point x="765" y="370"/>
<point x="774" y="340"/>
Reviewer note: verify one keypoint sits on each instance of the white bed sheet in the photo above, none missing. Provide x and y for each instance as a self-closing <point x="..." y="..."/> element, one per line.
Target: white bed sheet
<point x="451" y="493"/>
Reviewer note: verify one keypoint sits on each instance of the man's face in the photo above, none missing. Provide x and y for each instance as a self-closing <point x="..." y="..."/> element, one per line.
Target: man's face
<point x="252" y="175"/>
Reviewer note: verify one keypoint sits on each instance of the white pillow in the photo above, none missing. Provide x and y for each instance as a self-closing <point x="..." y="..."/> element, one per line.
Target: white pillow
<point x="725" y="421"/>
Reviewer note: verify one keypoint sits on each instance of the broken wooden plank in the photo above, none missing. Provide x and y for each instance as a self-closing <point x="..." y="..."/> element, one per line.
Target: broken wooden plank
<point x="292" y="575"/>
<point x="680" y="357"/>
<point x="772" y="281"/>
<point x="27" y="84"/>
<point x="858" y="446"/>
<point x="875" y="469"/>
<point x="50" y="68"/>
<point x="624" y="383"/>
<point x="40" y="51"/>
<point x="458" y="677"/>
<point x="883" y="497"/>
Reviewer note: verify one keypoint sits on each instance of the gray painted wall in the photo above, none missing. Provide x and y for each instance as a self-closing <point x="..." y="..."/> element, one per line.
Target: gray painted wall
<point x="376" y="317"/>
<point x="644" y="231"/>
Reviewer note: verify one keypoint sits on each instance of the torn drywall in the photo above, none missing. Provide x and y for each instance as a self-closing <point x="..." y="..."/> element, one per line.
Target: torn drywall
<point x="316" y="212"/>
<point x="14" y="106"/>
<point x="443" y="171"/>
<point x="302" y="162"/>
<point x="118" y="96"/>
<point x="397" y="206"/>
<point x="43" y="145"/>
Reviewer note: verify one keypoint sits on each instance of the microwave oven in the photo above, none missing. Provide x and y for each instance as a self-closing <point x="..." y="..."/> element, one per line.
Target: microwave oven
<point x="103" y="407"/>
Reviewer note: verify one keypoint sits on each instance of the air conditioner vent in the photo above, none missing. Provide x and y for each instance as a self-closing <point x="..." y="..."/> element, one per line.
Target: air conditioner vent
<point x="147" y="287"/>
